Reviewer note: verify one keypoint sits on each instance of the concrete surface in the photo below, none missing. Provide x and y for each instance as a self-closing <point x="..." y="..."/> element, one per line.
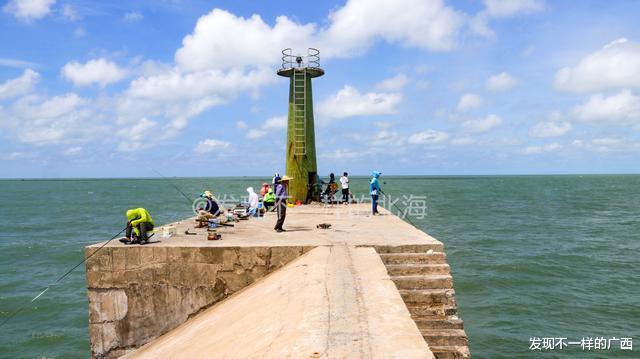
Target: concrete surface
<point x="333" y="302"/>
<point x="350" y="224"/>
<point x="139" y="293"/>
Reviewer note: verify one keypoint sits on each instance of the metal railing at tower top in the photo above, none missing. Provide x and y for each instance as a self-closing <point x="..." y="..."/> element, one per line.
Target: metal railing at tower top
<point x="290" y="61"/>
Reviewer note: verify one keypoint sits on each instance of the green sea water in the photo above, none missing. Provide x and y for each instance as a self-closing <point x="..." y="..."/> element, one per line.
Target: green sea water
<point x="531" y="256"/>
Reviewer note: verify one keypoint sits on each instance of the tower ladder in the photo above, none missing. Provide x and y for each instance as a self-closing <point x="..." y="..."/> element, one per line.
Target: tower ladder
<point x="300" y="112"/>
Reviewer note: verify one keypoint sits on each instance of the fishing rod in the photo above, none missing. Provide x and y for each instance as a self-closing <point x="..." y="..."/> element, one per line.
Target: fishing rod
<point x="173" y="184"/>
<point x="60" y="278"/>
<point x="398" y="208"/>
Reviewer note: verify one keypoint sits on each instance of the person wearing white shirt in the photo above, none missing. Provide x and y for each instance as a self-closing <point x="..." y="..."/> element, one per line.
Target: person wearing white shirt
<point x="344" y="180"/>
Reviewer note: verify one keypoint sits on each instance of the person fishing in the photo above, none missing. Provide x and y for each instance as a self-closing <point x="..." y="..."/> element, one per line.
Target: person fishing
<point x="375" y="190"/>
<point x="140" y="223"/>
<point x="331" y="189"/>
<point x="269" y="199"/>
<point x="281" y="201"/>
<point x="211" y="207"/>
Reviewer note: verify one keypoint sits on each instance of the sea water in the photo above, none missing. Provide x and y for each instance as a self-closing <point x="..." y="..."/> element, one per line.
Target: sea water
<point x="531" y="256"/>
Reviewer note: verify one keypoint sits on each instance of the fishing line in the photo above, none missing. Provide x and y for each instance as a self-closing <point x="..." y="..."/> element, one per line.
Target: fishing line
<point x="60" y="278"/>
<point x="173" y="184"/>
<point x="399" y="209"/>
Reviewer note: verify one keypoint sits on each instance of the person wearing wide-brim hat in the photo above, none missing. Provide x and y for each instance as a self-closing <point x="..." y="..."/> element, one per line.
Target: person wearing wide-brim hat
<point x="281" y="201"/>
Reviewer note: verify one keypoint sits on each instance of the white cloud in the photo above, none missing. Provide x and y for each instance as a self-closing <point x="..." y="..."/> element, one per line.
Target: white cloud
<point x="481" y="125"/>
<point x="429" y="25"/>
<point x="342" y="154"/>
<point x="60" y="119"/>
<point x="395" y="83"/>
<point x="28" y="10"/>
<point x="274" y="123"/>
<point x="132" y="16"/>
<point x="507" y="8"/>
<point x="135" y="134"/>
<point x="350" y="31"/>
<point x="69" y="13"/>
<point x="616" y="65"/>
<point x="550" y="129"/>
<point x="241" y="125"/>
<point x="16" y="63"/>
<point x="428" y="137"/>
<point x="211" y="47"/>
<point x="468" y="101"/>
<point x="553" y="127"/>
<point x="17" y="155"/>
<point x="20" y="85"/>
<point x="209" y="145"/>
<point x="550" y="147"/>
<point x="100" y="71"/>
<point x="349" y="102"/>
<point x="179" y="96"/>
<point x="271" y="124"/>
<point x="72" y="151"/>
<point x="501" y="82"/>
<point x="621" y="108"/>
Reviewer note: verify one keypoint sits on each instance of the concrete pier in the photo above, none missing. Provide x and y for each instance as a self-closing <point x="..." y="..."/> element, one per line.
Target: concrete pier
<point x="366" y="287"/>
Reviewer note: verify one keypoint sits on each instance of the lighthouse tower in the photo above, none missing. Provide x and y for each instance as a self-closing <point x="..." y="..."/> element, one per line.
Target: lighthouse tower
<point x="301" y="142"/>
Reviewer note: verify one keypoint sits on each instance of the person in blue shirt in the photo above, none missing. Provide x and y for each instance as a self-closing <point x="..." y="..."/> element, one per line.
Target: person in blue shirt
<point x="375" y="190"/>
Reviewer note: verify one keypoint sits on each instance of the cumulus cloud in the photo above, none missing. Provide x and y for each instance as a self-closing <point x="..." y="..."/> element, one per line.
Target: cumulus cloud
<point x="72" y="151"/>
<point x="550" y="129"/>
<point x="211" y="47"/>
<point x="28" y="10"/>
<point x="349" y="102"/>
<point x="468" y="101"/>
<point x="353" y="28"/>
<point x="481" y="125"/>
<point x="209" y="145"/>
<point x="501" y="82"/>
<point x="98" y="71"/>
<point x="550" y="147"/>
<point x="428" y="137"/>
<point x="621" y="108"/>
<point x="20" y="85"/>
<point x="179" y="96"/>
<point x="60" y="119"/>
<point x="508" y="8"/>
<point x="342" y="154"/>
<point x="616" y="65"/>
<point x="554" y="127"/>
<point x="350" y="31"/>
<point x="395" y="83"/>
<point x="271" y="124"/>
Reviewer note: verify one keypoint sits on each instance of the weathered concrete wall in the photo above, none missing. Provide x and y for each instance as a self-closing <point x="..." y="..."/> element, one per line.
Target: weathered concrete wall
<point x="137" y="293"/>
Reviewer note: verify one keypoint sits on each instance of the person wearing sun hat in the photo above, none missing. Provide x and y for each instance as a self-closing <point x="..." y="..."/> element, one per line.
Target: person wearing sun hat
<point x="281" y="201"/>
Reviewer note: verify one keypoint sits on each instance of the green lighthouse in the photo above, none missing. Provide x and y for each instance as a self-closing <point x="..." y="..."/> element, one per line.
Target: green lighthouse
<point x="301" y="141"/>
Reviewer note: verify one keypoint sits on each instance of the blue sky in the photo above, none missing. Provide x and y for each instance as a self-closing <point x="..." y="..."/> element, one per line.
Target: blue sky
<point x="188" y="88"/>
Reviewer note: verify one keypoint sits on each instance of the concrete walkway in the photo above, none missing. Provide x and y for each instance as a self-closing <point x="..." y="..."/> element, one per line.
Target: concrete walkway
<point x="332" y="302"/>
<point x="350" y="224"/>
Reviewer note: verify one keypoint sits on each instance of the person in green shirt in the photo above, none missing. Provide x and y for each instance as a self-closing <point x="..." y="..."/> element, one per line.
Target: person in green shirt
<point x="139" y="222"/>
<point x="269" y="200"/>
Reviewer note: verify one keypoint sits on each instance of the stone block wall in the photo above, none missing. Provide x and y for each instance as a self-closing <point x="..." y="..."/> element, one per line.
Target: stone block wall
<point x="137" y="293"/>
